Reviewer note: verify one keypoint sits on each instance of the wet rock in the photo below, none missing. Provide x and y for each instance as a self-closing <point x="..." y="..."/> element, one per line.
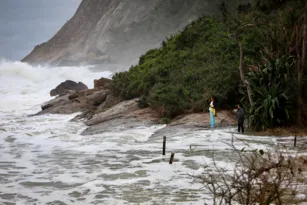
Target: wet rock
<point x="73" y="96"/>
<point x="44" y="107"/>
<point x="75" y="101"/>
<point x="53" y="92"/>
<point x="127" y="114"/>
<point x="116" y="111"/>
<point x="122" y="116"/>
<point x="67" y="85"/>
<point x="109" y="102"/>
<point x="117" y="124"/>
<point x="103" y="112"/>
<point x="102" y="83"/>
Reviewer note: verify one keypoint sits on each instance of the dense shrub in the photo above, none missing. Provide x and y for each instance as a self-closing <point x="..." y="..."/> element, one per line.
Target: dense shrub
<point x="272" y="86"/>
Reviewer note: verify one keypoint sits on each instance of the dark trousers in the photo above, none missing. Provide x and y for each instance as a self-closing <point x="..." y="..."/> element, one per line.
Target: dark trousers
<point x="240" y="127"/>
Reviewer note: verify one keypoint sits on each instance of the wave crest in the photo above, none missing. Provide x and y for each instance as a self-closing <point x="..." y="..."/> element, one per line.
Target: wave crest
<point x="23" y="85"/>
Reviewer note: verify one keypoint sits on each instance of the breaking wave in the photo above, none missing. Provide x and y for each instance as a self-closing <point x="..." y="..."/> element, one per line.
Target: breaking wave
<point x="24" y="86"/>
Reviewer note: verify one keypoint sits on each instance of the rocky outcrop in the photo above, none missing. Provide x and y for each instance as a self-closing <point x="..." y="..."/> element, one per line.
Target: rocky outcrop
<point x="101" y="111"/>
<point x="127" y="115"/>
<point x="66" y="86"/>
<point x="75" y="101"/>
<point x="105" y="105"/>
<point x="102" y="83"/>
<point x="76" y="97"/>
<point x="118" y="31"/>
<point x="116" y="111"/>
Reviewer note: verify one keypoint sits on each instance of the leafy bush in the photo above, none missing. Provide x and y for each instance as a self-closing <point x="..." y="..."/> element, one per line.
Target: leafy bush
<point x="169" y="100"/>
<point x="272" y="86"/>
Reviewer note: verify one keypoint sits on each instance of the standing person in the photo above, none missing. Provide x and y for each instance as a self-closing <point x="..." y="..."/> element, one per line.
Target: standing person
<point x="240" y="117"/>
<point x="212" y="112"/>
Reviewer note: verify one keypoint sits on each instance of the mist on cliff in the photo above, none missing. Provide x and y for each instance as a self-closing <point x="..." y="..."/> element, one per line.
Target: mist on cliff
<point x="27" y="23"/>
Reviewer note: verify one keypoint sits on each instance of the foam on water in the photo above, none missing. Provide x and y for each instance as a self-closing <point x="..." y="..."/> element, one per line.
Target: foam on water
<point x="44" y="159"/>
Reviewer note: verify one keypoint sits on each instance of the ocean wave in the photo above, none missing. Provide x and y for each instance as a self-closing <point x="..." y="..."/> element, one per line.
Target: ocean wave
<point x="23" y="85"/>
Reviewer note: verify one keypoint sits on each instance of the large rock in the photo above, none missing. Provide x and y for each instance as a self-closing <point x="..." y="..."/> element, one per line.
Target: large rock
<point x="64" y="87"/>
<point x="109" y="102"/>
<point x="75" y="101"/>
<point x="116" y="111"/>
<point x="127" y="115"/>
<point x="102" y="83"/>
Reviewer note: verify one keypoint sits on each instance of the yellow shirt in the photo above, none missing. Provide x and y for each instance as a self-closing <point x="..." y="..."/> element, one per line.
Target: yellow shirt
<point x="212" y="108"/>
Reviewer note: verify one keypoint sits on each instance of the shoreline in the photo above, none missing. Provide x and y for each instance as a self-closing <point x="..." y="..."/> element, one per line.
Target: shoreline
<point x="101" y="110"/>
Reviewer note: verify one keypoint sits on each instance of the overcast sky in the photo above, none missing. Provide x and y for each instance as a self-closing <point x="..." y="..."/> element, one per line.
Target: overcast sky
<point x="27" y="23"/>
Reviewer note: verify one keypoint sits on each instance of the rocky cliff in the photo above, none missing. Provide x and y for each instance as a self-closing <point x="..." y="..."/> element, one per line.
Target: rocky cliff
<point x="118" y="30"/>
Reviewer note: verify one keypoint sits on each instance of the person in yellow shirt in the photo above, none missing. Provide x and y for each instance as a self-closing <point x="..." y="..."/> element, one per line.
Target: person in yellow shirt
<point x="212" y="112"/>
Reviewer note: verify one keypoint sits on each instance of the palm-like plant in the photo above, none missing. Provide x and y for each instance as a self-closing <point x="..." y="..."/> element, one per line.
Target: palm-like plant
<point x="271" y="85"/>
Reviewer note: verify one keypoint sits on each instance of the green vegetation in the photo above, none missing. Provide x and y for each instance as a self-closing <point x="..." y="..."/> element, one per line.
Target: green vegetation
<point x="272" y="86"/>
<point x="179" y="76"/>
<point x="211" y="56"/>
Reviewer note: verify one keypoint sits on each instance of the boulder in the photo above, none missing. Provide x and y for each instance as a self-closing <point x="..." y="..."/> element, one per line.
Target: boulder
<point x="66" y="86"/>
<point x="109" y="101"/>
<point x="75" y="101"/>
<point x="53" y="93"/>
<point x="117" y="111"/>
<point x="102" y="83"/>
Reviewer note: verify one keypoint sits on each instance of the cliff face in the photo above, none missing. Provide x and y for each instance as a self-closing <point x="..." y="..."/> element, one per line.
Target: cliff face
<point x="118" y="30"/>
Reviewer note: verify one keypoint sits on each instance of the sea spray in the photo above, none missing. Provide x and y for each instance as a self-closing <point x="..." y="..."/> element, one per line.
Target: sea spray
<point x="24" y="86"/>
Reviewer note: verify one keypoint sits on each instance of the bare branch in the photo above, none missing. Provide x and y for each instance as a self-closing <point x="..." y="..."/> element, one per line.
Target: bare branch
<point x="255" y="179"/>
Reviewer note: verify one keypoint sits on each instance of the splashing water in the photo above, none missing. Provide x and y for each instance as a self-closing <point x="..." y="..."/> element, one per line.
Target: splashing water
<point x="23" y="86"/>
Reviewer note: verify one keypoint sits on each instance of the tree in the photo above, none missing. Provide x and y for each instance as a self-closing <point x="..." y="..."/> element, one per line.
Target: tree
<point x="238" y="28"/>
<point x="301" y="56"/>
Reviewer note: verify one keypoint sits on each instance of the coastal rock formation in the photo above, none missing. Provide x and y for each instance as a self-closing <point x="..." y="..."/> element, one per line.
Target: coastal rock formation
<point x="103" y="112"/>
<point x="76" y="97"/>
<point x="102" y="83"/>
<point x="75" y="101"/>
<point x="66" y="86"/>
<point x="120" y="118"/>
<point x="118" y="31"/>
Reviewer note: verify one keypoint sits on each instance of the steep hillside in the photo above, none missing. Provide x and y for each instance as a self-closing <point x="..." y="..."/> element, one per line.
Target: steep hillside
<point x="117" y="30"/>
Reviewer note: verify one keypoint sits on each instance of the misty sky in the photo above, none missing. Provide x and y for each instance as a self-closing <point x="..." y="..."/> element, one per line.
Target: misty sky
<point x="27" y="23"/>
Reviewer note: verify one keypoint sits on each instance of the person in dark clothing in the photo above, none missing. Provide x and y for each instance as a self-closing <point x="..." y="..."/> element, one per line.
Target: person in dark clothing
<point x="240" y="117"/>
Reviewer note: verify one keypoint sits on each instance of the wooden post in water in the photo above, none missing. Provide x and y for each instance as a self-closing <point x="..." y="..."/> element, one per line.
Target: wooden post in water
<point x="164" y="145"/>
<point x="295" y="139"/>
<point x="172" y="158"/>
